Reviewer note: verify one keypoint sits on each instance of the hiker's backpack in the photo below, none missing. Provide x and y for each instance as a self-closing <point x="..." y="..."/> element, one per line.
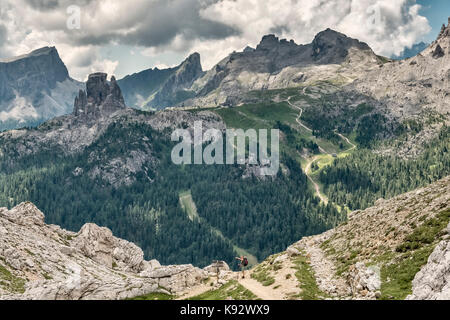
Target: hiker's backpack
<point x="245" y="262"/>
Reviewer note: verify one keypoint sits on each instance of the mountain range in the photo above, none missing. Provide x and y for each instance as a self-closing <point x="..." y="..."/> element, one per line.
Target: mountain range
<point x="273" y="64"/>
<point x="358" y="134"/>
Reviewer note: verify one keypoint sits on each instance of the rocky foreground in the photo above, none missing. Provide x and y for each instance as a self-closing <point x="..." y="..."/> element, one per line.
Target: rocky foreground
<point x="397" y="249"/>
<point x="40" y="261"/>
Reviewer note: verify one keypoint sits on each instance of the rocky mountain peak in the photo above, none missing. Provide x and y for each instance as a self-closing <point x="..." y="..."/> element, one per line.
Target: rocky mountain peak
<point x="43" y="64"/>
<point x="36" y="71"/>
<point x="101" y="96"/>
<point x="248" y="49"/>
<point x="176" y="87"/>
<point x="268" y="42"/>
<point x="26" y="214"/>
<point x="34" y="87"/>
<point x="441" y="46"/>
<point x="191" y="68"/>
<point x="330" y="45"/>
<point x="194" y="58"/>
<point x="445" y="30"/>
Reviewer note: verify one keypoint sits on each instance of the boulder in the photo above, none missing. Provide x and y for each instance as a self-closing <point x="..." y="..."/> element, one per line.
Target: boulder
<point x="26" y="214"/>
<point x="364" y="279"/>
<point x="128" y="256"/>
<point x="292" y="251"/>
<point x="432" y="282"/>
<point x="96" y="243"/>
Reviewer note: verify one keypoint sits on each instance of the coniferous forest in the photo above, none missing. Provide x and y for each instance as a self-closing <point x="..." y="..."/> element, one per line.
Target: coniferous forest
<point x="362" y="178"/>
<point x="261" y="216"/>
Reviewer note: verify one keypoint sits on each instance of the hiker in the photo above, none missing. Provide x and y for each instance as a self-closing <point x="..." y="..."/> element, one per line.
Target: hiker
<point x="243" y="263"/>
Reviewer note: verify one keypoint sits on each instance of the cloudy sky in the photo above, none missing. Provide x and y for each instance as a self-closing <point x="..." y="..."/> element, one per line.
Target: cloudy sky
<point x="123" y="37"/>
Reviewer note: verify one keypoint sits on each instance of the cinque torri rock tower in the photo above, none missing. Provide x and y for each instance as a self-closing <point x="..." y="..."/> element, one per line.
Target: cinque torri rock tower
<point x="101" y="97"/>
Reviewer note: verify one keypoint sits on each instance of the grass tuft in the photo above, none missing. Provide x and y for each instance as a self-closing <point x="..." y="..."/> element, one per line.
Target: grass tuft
<point x="231" y="289"/>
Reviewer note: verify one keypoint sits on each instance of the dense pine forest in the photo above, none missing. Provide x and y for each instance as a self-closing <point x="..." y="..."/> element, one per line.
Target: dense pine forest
<point x="261" y="216"/>
<point x="360" y="179"/>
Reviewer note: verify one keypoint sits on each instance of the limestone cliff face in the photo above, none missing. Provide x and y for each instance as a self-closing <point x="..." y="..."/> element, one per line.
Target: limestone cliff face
<point x="38" y="71"/>
<point x="178" y="86"/>
<point x="433" y="280"/>
<point x="34" y="87"/>
<point x="331" y="47"/>
<point x="40" y="261"/>
<point x="279" y="63"/>
<point x="412" y="86"/>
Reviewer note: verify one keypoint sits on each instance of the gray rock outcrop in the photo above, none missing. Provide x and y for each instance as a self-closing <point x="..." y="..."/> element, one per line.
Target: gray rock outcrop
<point x="330" y="47"/>
<point x="100" y="98"/>
<point x="42" y="261"/>
<point x="445" y="30"/>
<point x="365" y="280"/>
<point x="432" y="282"/>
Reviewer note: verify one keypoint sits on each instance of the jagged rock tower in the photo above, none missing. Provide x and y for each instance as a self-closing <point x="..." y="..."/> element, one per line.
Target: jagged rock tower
<point x="101" y="97"/>
<point x="442" y="43"/>
<point x="445" y="30"/>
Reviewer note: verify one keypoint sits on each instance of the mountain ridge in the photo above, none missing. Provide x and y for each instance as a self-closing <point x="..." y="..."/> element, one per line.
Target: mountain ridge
<point x="34" y="87"/>
<point x="274" y="64"/>
<point x="163" y="84"/>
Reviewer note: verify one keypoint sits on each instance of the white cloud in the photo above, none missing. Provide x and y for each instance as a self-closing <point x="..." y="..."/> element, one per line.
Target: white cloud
<point x="386" y="25"/>
<point x="82" y="61"/>
<point x="213" y="28"/>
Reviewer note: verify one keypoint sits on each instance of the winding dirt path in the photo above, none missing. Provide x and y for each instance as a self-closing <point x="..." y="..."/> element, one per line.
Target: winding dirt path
<point x="195" y="292"/>
<point x="325" y="271"/>
<point x="346" y="140"/>
<point x="262" y="292"/>
<point x="322" y="197"/>
<point x="311" y="161"/>
<point x="299" y="115"/>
